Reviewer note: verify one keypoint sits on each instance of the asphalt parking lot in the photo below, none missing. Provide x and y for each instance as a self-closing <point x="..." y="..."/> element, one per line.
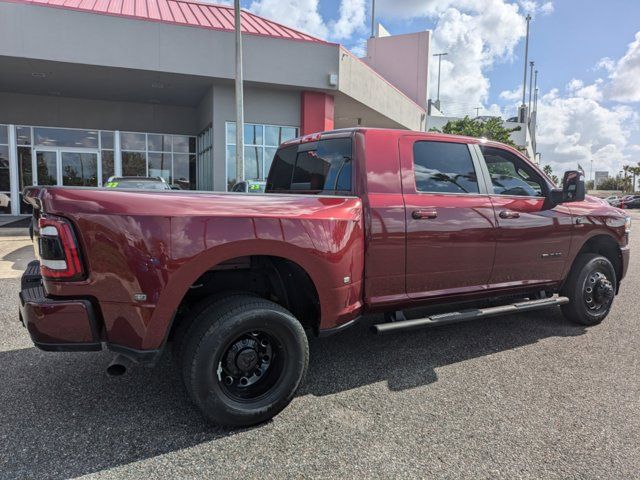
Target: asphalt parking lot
<point x="529" y="396"/>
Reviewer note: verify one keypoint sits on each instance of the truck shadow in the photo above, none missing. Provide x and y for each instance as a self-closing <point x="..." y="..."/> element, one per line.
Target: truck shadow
<point x="19" y="258"/>
<point x="407" y="360"/>
<point x="62" y="417"/>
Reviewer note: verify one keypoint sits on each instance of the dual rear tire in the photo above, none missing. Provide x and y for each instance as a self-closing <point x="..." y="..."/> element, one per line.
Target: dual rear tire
<point x="243" y="359"/>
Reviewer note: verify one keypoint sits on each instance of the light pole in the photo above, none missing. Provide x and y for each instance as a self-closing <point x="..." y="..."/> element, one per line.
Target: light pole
<point x="524" y="81"/>
<point x="530" y="86"/>
<point x="239" y="96"/>
<point x="535" y="91"/>
<point x="373" y="18"/>
<point x="439" y="55"/>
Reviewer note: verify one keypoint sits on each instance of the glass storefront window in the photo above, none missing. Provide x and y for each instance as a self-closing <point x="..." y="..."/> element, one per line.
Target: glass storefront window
<point x="86" y="157"/>
<point x="159" y="143"/>
<point x="79" y="169"/>
<point x="253" y="134"/>
<point x="269" y="153"/>
<point x="23" y="135"/>
<point x="134" y="164"/>
<point x="106" y="140"/>
<point x="253" y="162"/>
<point x="133" y="141"/>
<point x="160" y="155"/>
<point x="184" y="171"/>
<point x="274" y="136"/>
<point x="5" y="203"/>
<point x="25" y="175"/>
<point x="231" y="166"/>
<point x="160" y="165"/>
<point x="108" y="167"/>
<point x="261" y="142"/>
<point x="47" y="168"/>
<point x="65" y="137"/>
<point x="184" y="144"/>
<point x="5" y="177"/>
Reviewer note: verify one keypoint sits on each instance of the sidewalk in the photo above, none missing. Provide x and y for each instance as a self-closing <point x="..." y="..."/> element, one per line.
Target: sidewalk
<point x="15" y="253"/>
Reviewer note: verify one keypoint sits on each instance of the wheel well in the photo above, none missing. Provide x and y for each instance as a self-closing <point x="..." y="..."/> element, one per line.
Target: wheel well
<point x="607" y="247"/>
<point x="273" y="278"/>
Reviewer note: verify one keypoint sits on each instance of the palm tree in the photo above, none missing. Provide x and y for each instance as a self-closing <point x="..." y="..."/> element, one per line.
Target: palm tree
<point x="635" y="171"/>
<point x="626" y="169"/>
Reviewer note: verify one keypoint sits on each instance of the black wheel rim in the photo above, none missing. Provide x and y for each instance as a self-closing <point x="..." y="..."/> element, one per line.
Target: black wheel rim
<point x="598" y="292"/>
<point x="251" y="366"/>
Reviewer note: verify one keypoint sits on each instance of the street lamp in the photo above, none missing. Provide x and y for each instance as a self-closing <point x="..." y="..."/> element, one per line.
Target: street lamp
<point x="523" y="107"/>
<point x="530" y="85"/>
<point x="439" y="55"/>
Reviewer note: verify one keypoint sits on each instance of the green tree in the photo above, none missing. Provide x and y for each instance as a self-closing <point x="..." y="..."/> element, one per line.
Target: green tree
<point x="549" y="171"/>
<point x="491" y="129"/>
<point x="611" y="183"/>
<point x="635" y="171"/>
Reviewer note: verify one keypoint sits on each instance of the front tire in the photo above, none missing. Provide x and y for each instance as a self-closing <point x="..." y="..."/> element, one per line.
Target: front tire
<point x="591" y="287"/>
<point x="243" y="360"/>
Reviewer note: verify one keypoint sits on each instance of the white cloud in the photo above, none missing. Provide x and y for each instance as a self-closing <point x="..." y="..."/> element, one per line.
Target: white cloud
<point x="474" y="38"/>
<point x="577" y="88"/>
<point x="546" y="8"/>
<point x="511" y="95"/>
<point x="625" y="74"/>
<point x="576" y="129"/>
<point x="304" y="15"/>
<point x="352" y="19"/>
<point x="359" y="47"/>
<point x="299" y="14"/>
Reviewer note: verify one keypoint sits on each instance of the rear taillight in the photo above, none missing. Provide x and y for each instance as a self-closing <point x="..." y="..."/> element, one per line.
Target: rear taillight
<point x="59" y="255"/>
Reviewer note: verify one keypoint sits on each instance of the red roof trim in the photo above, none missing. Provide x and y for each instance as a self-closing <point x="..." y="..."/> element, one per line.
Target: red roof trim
<point x="180" y="12"/>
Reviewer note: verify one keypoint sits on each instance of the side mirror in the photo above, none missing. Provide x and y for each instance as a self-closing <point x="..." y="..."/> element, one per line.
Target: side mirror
<point x="573" y="189"/>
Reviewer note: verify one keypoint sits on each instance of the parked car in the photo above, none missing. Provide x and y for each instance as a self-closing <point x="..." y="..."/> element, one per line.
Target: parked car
<point x="140" y="183"/>
<point x="630" y="201"/>
<point x="249" y="186"/>
<point x="613" y="200"/>
<point x="354" y="221"/>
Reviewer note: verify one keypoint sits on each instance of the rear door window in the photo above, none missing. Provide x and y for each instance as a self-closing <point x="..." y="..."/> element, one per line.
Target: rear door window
<point x="444" y="167"/>
<point x="318" y="167"/>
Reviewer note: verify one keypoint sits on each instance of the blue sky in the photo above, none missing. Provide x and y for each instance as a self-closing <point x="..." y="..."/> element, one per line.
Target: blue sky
<point x="586" y="52"/>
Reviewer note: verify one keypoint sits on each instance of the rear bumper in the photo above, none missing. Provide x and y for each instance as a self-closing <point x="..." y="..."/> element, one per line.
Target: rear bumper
<point x="56" y="324"/>
<point x="64" y="324"/>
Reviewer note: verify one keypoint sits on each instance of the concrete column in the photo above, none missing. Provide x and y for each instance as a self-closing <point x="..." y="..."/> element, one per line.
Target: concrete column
<point x="316" y="112"/>
<point x="13" y="171"/>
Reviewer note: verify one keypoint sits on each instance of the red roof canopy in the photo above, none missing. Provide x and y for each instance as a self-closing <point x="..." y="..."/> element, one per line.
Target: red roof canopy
<point x="180" y="12"/>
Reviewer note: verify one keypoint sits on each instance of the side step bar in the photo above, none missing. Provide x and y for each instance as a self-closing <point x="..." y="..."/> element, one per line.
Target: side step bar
<point x="464" y="315"/>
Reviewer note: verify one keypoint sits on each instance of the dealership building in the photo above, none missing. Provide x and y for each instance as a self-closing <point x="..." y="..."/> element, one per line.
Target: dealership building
<point x="94" y="88"/>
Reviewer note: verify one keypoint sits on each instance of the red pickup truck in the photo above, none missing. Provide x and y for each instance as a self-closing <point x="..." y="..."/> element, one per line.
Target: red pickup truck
<point x="353" y="221"/>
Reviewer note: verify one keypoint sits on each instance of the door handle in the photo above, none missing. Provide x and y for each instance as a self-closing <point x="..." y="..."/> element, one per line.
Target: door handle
<point x="426" y="214"/>
<point x="509" y="214"/>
